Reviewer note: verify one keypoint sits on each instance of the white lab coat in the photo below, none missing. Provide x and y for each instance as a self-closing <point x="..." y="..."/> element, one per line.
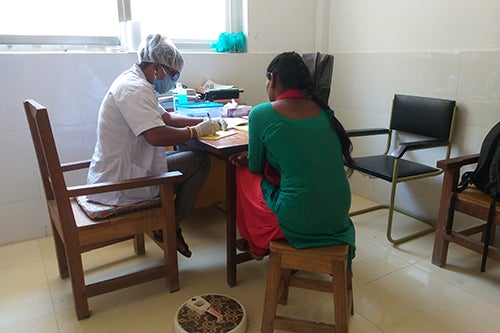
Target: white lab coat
<point x="129" y="108"/>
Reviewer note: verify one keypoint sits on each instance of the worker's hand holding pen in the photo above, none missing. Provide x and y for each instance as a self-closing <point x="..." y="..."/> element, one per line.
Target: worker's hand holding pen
<point x="208" y="126"/>
<point x="220" y="121"/>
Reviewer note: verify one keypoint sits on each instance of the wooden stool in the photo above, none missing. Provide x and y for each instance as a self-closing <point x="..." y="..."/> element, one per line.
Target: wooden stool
<point x="328" y="260"/>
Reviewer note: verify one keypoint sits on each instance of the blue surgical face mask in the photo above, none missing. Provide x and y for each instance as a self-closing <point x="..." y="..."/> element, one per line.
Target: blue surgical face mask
<point x="162" y="86"/>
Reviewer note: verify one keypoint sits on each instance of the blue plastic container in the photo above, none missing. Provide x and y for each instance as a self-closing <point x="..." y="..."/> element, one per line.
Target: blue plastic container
<point x="201" y="109"/>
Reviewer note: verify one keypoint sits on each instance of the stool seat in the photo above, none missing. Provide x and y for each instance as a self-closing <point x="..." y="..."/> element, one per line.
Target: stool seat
<point x="330" y="260"/>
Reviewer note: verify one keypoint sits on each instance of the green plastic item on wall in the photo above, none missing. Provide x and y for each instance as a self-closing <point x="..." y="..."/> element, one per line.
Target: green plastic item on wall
<point x="229" y="42"/>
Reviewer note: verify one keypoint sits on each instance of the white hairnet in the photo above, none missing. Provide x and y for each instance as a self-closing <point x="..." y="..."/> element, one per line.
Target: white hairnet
<point x="158" y="48"/>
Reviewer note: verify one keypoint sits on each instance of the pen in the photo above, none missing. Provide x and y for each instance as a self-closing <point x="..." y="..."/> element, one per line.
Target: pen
<point x="208" y="115"/>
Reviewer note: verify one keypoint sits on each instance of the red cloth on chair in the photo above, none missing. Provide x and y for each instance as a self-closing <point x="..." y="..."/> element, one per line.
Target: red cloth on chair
<point x="256" y="222"/>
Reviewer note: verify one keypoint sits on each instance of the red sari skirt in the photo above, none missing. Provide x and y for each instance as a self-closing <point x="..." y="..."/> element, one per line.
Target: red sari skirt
<point x="256" y="222"/>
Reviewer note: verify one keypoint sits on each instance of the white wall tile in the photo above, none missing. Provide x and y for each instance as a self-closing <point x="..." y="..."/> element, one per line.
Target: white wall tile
<point x="24" y="220"/>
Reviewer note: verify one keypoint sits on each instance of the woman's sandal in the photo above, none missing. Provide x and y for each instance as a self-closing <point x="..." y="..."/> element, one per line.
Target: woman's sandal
<point x="242" y="245"/>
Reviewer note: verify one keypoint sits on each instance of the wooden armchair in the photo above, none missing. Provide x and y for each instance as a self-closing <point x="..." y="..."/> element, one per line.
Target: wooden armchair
<point x="471" y="202"/>
<point x="75" y="233"/>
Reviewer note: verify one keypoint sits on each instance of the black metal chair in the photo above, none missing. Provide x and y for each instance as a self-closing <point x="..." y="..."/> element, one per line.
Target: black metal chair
<point x="431" y="119"/>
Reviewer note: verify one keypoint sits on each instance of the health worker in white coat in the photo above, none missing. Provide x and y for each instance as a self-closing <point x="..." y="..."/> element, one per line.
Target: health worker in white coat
<point x="133" y="130"/>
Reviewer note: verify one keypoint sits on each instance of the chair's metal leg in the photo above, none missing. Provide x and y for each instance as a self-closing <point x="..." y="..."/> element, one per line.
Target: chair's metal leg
<point x="391" y="216"/>
<point x="391" y="207"/>
<point x="367" y="210"/>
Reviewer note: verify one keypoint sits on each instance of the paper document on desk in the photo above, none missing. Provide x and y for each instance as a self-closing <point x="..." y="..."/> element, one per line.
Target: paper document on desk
<point x="243" y="128"/>
<point x="218" y="135"/>
<point x="211" y="85"/>
<point x="233" y="122"/>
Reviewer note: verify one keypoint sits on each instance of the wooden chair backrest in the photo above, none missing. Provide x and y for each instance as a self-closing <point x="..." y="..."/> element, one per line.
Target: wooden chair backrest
<point x="49" y="164"/>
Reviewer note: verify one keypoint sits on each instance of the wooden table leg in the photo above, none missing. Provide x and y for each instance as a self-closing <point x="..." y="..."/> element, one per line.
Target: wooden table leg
<point x="231" y="223"/>
<point x="233" y="259"/>
<point x="222" y="149"/>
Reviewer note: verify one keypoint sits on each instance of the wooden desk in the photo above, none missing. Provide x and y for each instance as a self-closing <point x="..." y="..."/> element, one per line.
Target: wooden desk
<point x="213" y="191"/>
<point x="222" y="149"/>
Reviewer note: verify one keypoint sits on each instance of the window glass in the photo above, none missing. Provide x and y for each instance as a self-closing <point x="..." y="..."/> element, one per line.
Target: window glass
<point x="59" y="17"/>
<point x="181" y="20"/>
<point x="95" y="23"/>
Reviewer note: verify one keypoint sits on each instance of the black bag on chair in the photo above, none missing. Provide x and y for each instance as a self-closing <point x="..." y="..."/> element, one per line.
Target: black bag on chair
<point x="320" y="66"/>
<point x="486" y="178"/>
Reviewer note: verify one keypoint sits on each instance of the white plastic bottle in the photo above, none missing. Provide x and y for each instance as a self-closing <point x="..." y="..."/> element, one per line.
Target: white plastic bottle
<point x="179" y="96"/>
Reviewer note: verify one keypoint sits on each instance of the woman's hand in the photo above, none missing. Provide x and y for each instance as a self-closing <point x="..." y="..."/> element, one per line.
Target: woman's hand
<point x="239" y="159"/>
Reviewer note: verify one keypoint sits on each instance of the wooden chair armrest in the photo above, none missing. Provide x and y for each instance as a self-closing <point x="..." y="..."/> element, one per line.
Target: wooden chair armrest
<point x="71" y="166"/>
<point x="367" y="132"/>
<point x="164" y="178"/>
<point x="451" y="168"/>
<point x="457" y="162"/>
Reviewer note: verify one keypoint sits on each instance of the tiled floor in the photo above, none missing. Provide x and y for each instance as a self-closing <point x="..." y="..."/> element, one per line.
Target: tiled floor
<point x="396" y="289"/>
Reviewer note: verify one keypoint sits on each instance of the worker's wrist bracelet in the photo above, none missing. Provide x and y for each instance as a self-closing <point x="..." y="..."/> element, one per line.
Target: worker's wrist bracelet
<point x="191" y="134"/>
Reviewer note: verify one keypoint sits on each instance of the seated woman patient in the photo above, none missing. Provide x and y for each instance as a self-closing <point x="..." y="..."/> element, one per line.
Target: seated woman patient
<point x="291" y="183"/>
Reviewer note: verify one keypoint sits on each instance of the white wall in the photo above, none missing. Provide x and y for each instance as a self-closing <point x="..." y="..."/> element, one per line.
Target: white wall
<point x="407" y="25"/>
<point x="71" y="86"/>
<point x="376" y="55"/>
<point x="287" y="25"/>
<point x="447" y="49"/>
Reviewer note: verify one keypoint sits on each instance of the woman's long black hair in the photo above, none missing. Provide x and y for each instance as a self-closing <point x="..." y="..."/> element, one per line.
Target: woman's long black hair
<point x="291" y="71"/>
